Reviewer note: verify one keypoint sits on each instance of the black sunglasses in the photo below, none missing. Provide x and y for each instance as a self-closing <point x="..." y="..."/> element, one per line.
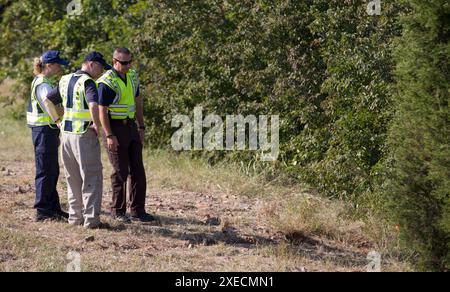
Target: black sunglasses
<point x="124" y="62"/>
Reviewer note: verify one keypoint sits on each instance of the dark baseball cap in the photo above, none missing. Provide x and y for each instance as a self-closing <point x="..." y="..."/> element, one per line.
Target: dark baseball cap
<point x="97" y="57"/>
<point x="52" y="57"/>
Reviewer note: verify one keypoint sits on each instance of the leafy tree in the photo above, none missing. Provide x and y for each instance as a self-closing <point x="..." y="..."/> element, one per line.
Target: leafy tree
<point x="419" y="137"/>
<point x="356" y="49"/>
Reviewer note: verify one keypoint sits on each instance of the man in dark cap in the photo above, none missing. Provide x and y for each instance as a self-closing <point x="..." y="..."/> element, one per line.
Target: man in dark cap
<point x="80" y="147"/>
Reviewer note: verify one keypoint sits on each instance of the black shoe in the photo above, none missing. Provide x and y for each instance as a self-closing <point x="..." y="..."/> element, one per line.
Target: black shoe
<point x="45" y="217"/>
<point x="62" y="214"/>
<point x="42" y="217"/>
<point x="100" y="225"/>
<point x="143" y="218"/>
<point x="121" y="218"/>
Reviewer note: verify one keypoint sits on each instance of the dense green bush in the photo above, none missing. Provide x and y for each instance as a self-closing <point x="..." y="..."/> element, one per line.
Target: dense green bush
<point x="324" y="66"/>
<point x="237" y="57"/>
<point x="357" y="52"/>
<point x="418" y="185"/>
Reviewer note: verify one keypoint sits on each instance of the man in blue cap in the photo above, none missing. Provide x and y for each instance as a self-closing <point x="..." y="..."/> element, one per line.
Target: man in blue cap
<point x="80" y="146"/>
<point x="45" y="136"/>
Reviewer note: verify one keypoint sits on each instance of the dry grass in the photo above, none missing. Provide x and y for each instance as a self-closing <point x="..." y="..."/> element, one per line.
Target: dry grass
<point x="313" y="216"/>
<point x="6" y="88"/>
<point x="312" y="223"/>
<point x="12" y="100"/>
<point x="211" y="219"/>
<point x="15" y="146"/>
<point x="180" y="171"/>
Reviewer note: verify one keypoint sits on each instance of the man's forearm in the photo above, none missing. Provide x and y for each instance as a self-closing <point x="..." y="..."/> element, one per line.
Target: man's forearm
<point x="93" y="108"/>
<point x="52" y="111"/>
<point x="104" y="120"/>
<point x="139" y="111"/>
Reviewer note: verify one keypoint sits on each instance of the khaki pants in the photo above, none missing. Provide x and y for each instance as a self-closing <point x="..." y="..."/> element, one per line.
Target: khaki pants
<point x="83" y="169"/>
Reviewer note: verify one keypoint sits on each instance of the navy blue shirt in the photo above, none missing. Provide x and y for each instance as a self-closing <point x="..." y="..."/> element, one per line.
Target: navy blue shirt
<point x="90" y="89"/>
<point x="107" y="95"/>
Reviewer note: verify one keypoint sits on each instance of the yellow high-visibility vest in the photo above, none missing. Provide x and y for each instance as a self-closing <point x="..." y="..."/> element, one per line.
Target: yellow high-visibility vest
<point x="124" y="105"/>
<point x="36" y="114"/>
<point x="77" y="117"/>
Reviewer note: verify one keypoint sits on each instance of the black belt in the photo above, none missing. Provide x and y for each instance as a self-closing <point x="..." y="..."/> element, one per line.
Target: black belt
<point x="123" y="121"/>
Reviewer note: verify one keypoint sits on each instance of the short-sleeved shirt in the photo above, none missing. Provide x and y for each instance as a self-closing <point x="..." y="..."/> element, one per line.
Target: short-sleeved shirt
<point x="90" y="89"/>
<point x="106" y="94"/>
<point x="41" y="94"/>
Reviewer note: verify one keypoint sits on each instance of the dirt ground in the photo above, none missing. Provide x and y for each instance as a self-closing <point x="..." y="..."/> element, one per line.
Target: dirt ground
<point x="201" y="226"/>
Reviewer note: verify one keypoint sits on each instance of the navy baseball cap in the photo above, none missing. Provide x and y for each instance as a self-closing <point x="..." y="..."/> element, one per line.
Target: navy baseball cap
<point x="97" y="57"/>
<point x="51" y="57"/>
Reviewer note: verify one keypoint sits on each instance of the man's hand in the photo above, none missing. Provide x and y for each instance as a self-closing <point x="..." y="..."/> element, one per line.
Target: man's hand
<point x="95" y="128"/>
<point x="58" y="123"/>
<point x="142" y="135"/>
<point x="60" y="110"/>
<point x="112" y="143"/>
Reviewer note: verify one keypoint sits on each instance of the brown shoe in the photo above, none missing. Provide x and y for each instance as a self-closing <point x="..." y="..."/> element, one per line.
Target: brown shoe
<point x="145" y="217"/>
<point x="121" y="218"/>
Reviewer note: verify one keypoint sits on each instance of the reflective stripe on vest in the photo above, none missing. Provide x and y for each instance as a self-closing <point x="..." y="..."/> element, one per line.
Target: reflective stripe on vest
<point x="36" y="114"/>
<point x="77" y="117"/>
<point x="123" y="105"/>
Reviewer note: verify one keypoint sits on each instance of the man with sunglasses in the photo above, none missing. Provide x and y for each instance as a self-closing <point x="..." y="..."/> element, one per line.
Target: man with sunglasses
<point x="120" y="107"/>
<point x="80" y="147"/>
